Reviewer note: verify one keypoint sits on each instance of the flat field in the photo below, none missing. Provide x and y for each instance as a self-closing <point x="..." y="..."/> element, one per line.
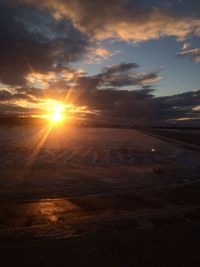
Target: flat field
<point x="86" y="187"/>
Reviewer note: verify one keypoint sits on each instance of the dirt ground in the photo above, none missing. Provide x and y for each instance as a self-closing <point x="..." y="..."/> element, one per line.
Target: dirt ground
<point x="97" y="197"/>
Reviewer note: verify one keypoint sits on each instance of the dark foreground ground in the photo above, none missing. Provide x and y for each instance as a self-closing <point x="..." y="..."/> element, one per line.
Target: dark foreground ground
<point x="188" y="136"/>
<point x="174" y="245"/>
<point x="104" y="197"/>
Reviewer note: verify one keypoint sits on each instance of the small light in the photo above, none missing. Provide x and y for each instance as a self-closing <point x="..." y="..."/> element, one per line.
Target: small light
<point x="153" y="150"/>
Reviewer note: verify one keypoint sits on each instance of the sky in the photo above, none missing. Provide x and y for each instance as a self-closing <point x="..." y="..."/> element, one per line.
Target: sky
<point x="123" y="61"/>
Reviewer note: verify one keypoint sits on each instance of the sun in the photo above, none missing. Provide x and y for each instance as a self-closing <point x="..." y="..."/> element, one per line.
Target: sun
<point x="57" y="115"/>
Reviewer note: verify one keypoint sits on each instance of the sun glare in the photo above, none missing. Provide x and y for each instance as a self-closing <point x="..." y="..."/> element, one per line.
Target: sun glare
<point x="57" y="115"/>
<point x="56" y="112"/>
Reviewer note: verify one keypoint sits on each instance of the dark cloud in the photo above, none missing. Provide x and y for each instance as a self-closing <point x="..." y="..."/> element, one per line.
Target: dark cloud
<point x="123" y="106"/>
<point x="117" y="76"/>
<point x="130" y="80"/>
<point x="8" y="96"/>
<point x="5" y="95"/>
<point x="141" y="106"/>
<point x="119" y="68"/>
<point x="32" y="40"/>
<point x="125" y="19"/>
<point x="178" y="106"/>
<point x="13" y="109"/>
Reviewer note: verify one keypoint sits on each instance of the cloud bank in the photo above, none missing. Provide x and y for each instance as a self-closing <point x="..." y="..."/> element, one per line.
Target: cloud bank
<point x="128" y="20"/>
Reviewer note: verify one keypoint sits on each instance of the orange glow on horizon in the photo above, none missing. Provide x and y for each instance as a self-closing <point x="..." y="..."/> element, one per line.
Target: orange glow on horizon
<point x="57" y="112"/>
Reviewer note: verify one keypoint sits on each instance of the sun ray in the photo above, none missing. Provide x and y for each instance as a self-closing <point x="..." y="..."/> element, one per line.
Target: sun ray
<point x="36" y="151"/>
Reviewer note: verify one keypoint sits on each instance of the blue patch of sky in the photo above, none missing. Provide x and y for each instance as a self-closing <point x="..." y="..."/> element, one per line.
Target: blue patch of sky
<point x="180" y="74"/>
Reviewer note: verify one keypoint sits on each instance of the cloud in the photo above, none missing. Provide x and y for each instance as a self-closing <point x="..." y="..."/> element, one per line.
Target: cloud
<point x="119" y="68"/>
<point x="81" y="89"/>
<point x="14" y="109"/>
<point x="97" y="55"/>
<point x="197" y="108"/>
<point x="186" y="46"/>
<point x="6" y="96"/>
<point x="124" y="74"/>
<point x="141" y="106"/>
<point x="127" y="20"/>
<point x="194" y="53"/>
<point x="33" y="41"/>
<point x="106" y="99"/>
<point x="45" y="80"/>
<point x="138" y="106"/>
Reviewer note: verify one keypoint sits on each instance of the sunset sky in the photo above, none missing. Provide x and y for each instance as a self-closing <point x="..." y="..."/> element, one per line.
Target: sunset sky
<point x="127" y="61"/>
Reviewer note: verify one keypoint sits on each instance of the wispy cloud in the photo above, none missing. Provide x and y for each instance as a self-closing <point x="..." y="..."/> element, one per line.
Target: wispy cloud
<point x="194" y="53"/>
